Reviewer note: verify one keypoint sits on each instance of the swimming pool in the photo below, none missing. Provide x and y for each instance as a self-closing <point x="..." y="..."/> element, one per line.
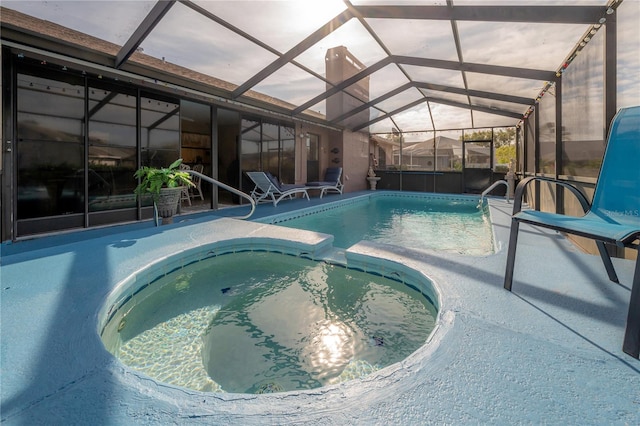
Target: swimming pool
<point x="452" y="224"/>
<point x="263" y="322"/>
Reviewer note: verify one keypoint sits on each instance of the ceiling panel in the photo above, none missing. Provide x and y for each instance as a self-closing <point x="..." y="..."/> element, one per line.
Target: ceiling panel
<point x="453" y="97"/>
<point x="281" y="24"/>
<point x="414" y="119"/>
<point x="416" y="37"/>
<point x="403" y="98"/>
<point x="440" y="76"/>
<point x="191" y="40"/>
<point x="114" y="21"/>
<point x="385" y="80"/>
<point x="382" y="126"/>
<point x="353" y="36"/>
<point x="517" y="44"/>
<point x="291" y="84"/>
<point x="265" y="30"/>
<point x="505" y="85"/>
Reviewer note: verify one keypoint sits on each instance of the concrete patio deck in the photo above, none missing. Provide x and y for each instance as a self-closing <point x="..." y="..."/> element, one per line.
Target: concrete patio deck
<point x="547" y="353"/>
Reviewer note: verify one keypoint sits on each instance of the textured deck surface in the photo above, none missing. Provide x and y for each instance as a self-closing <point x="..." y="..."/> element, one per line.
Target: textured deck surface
<point x="548" y="353"/>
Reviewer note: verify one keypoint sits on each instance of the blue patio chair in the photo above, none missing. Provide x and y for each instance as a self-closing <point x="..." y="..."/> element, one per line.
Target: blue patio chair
<point x="613" y="216"/>
<point x="331" y="181"/>
<point x="267" y="188"/>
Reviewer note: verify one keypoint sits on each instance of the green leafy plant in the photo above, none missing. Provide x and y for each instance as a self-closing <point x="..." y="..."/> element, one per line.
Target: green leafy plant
<point x="152" y="179"/>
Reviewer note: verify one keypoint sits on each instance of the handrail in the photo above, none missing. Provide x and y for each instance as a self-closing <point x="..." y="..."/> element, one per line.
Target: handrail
<point x="494" y="185"/>
<point x="228" y="188"/>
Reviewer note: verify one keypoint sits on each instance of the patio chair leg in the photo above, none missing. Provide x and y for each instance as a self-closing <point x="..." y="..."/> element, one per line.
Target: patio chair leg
<point x="511" y="254"/>
<point x="631" y="345"/>
<point x="606" y="259"/>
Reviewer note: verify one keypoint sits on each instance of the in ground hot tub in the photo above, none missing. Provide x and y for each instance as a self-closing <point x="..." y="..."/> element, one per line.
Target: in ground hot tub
<point x="260" y="321"/>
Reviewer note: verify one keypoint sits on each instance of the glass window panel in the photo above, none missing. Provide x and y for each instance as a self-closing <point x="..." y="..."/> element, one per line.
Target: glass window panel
<point x="189" y="39"/>
<point x="280" y="24"/>
<point x="114" y="21"/>
<point x="399" y="100"/>
<point x="112" y="149"/>
<point x="112" y="118"/>
<point x="250" y="144"/>
<point x="160" y="131"/>
<point x="628" y="41"/>
<point x="291" y="84"/>
<point x="583" y="132"/>
<point x="435" y="75"/>
<point x="449" y="117"/>
<point x="49" y="107"/>
<point x="414" y="119"/>
<point x="547" y="132"/>
<point x="351" y="35"/>
<point x="505" y="85"/>
<point x="500" y="43"/>
<point x="484" y="119"/>
<point x="448" y="154"/>
<point x="416" y="37"/>
<point x="288" y="155"/>
<point x="270" y="149"/>
<point x="50" y="146"/>
<point x="195" y="122"/>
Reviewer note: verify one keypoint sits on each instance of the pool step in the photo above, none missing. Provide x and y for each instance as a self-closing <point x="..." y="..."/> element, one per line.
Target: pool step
<point x="333" y="255"/>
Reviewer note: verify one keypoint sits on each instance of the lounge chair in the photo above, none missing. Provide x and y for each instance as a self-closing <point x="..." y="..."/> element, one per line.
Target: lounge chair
<point x="331" y="181"/>
<point x="613" y="217"/>
<point x="184" y="195"/>
<point x="267" y="187"/>
<point x="196" y="189"/>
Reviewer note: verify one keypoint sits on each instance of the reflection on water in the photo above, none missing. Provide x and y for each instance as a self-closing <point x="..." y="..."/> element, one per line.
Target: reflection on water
<point x="268" y="322"/>
<point x="455" y="226"/>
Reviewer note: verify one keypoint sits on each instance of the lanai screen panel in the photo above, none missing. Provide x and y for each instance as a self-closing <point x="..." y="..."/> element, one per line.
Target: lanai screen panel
<point x="280" y="24"/>
<point x="251" y="46"/>
<point x="189" y="39"/>
<point x="422" y="38"/>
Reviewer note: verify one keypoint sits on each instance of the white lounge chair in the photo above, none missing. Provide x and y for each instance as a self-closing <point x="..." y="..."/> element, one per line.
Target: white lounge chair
<point x="184" y="195"/>
<point x="196" y="189"/>
<point x="268" y="188"/>
<point x="331" y="181"/>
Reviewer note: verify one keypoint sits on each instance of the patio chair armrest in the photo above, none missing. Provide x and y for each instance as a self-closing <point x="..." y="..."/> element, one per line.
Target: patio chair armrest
<point x="522" y="185"/>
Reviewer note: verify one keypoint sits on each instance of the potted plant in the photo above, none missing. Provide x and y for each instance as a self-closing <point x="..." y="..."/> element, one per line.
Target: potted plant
<point x="164" y="185"/>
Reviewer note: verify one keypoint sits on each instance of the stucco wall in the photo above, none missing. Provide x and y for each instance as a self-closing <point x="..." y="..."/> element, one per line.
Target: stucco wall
<point x="355" y="160"/>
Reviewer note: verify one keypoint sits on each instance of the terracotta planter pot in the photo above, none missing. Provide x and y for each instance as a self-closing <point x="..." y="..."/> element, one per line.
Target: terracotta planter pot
<point x="168" y="201"/>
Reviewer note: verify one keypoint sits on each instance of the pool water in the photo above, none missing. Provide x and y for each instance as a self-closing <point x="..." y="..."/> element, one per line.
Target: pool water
<point x="257" y="322"/>
<point x="451" y="225"/>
